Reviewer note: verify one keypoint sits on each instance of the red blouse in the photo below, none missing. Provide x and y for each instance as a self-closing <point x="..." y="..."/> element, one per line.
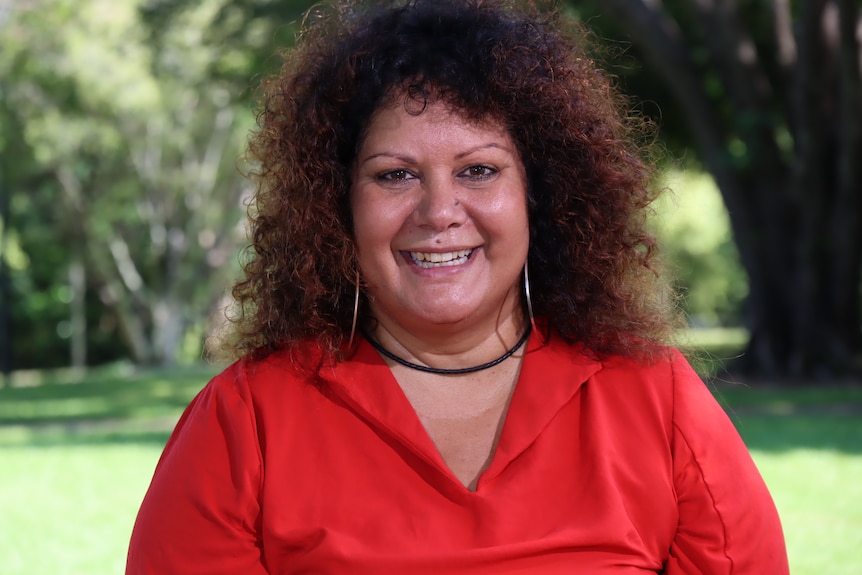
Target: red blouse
<point x="602" y="467"/>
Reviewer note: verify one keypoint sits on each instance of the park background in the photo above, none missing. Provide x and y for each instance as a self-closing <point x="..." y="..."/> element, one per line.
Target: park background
<point x="122" y="124"/>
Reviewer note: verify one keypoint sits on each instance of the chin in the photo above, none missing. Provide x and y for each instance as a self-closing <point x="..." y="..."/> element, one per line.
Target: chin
<point x="442" y="316"/>
<point x="446" y="318"/>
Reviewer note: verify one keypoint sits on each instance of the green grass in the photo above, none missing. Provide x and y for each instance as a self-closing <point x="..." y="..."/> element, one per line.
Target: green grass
<point x="103" y="407"/>
<point x="77" y="452"/>
<point x="812" y="465"/>
<point x="69" y="510"/>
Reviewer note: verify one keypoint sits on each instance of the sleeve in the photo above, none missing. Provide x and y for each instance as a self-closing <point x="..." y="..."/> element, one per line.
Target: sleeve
<point x="201" y="513"/>
<point x="728" y="523"/>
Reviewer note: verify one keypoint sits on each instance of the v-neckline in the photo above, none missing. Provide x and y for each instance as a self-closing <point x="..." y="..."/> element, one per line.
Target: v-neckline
<point x="464" y="428"/>
<point x="550" y="375"/>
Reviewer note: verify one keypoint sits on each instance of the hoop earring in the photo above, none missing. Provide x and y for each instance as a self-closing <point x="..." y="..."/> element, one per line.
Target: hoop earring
<point x="530" y="304"/>
<point x="355" y="312"/>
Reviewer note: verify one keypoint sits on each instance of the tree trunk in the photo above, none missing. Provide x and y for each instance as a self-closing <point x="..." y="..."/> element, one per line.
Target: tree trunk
<point x="78" y="312"/>
<point x="820" y="333"/>
<point x="169" y="327"/>
<point x="796" y="214"/>
<point x="5" y="284"/>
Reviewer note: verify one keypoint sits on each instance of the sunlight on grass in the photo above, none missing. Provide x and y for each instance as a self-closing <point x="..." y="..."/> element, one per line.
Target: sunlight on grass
<point x="69" y="510"/>
<point x="819" y="498"/>
<point x="78" y="452"/>
<point x="811" y="459"/>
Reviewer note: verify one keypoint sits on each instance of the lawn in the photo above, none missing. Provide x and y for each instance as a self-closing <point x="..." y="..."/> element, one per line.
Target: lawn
<point x="77" y="456"/>
<point x="811" y="463"/>
<point x="77" y="452"/>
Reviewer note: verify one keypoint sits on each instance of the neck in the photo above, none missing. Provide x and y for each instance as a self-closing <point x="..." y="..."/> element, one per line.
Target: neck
<point x="451" y="371"/>
<point x="452" y="349"/>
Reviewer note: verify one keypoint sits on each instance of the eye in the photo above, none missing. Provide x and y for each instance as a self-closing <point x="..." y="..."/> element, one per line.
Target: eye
<point x="395" y="176"/>
<point x="479" y="172"/>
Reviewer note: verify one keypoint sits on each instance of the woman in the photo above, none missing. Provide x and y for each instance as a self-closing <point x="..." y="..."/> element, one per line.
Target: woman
<point x="450" y="330"/>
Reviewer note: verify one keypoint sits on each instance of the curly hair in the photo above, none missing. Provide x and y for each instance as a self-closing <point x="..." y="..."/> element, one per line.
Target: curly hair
<point x="591" y="258"/>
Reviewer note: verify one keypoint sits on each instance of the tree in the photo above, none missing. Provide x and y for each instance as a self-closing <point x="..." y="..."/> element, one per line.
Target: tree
<point x="129" y="159"/>
<point x="770" y="96"/>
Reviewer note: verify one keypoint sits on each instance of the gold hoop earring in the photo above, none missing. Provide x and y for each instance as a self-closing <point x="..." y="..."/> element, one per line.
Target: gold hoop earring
<point x="355" y="312"/>
<point x="530" y="304"/>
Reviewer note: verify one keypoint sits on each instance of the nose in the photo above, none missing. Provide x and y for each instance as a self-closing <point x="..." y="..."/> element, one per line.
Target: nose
<point x="439" y="208"/>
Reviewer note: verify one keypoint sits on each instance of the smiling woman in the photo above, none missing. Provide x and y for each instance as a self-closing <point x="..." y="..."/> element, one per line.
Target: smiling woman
<point x="439" y="207"/>
<point x="450" y="334"/>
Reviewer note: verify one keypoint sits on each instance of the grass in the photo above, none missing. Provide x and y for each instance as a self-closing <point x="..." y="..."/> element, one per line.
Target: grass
<point x="78" y="451"/>
<point x="815" y="490"/>
<point x="69" y="510"/>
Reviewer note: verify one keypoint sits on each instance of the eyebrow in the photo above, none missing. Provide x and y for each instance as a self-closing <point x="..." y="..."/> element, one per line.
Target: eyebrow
<point x="405" y="159"/>
<point x="464" y="154"/>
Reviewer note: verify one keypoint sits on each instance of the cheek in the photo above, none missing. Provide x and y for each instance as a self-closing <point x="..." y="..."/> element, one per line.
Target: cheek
<point x="375" y="226"/>
<point x="512" y="218"/>
<point x="362" y="212"/>
<point x="519" y="232"/>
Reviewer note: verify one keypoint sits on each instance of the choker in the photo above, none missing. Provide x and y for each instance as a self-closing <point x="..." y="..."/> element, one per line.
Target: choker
<point x="376" y="345"/>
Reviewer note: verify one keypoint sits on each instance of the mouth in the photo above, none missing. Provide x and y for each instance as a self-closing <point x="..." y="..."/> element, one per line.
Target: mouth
<point x="430" y="260"/>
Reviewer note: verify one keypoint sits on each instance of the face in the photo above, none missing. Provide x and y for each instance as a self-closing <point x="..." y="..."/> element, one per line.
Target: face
<point x="440" y="217"/>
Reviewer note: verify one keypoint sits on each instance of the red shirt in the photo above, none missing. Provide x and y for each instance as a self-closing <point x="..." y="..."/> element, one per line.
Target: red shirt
<point x="602" y="467"/>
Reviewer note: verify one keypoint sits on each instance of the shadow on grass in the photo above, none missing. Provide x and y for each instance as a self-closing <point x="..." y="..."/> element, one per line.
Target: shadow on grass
<point x="38" y="439"/>
<point x="143" y="407"/>
<point x="780" y="418"/>
<point x="98" y="408"/>
<point x="781" y="433"/>
<point x="777" y="417"/>
<point x="46" y="433"/>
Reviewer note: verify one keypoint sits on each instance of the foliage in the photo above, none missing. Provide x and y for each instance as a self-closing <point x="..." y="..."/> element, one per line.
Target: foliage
<point x="768" y="96"/>
<point x="693" y="228"/>
<point x="121" y="124"/>
<point x="123" y="172"/>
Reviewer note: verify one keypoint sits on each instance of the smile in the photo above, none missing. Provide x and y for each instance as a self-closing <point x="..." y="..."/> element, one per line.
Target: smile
<point x="435" y="260"/>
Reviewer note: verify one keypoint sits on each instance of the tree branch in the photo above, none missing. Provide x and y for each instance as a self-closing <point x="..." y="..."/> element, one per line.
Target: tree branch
<point x="744" y="80"/>
<point x="784" y="39"/>
<point x="735" y="53"/>
<point x="666" y="53"/>
<point x="787" y="54"/>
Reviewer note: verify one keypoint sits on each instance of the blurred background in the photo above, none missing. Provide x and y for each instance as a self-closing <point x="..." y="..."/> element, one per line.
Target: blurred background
<point x="122" y="127"/>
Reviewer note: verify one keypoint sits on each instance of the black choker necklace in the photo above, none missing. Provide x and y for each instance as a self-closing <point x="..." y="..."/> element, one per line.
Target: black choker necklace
<point x="376" y="345"/>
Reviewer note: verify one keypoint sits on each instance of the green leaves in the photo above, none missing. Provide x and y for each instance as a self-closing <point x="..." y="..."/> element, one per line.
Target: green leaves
<point x="121" y="124"/>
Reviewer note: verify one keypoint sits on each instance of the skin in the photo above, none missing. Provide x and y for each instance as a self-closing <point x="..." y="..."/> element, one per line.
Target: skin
<point x="441" y="186"/>
<point x="430" y="188"/>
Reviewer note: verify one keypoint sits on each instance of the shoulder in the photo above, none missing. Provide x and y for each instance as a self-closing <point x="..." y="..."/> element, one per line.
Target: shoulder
<point x="642" y="393"/>
<point x="659" y="374"/>
<point x="253" y="380"/>
<point x="666" y="362"/>
<point x="666" y="375"/>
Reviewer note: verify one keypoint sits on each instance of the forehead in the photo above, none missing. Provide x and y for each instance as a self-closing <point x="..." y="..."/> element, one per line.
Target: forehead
<point x="435" y="119"/>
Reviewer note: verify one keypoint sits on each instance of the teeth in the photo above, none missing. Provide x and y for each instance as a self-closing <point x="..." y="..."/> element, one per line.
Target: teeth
<point x="430" y="260"/>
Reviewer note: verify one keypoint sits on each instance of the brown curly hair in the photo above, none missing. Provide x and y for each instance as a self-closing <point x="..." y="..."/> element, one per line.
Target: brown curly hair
<point x="591" y="258"/>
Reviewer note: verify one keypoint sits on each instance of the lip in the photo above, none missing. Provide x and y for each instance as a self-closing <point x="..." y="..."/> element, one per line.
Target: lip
<point x="439" y="259"/>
